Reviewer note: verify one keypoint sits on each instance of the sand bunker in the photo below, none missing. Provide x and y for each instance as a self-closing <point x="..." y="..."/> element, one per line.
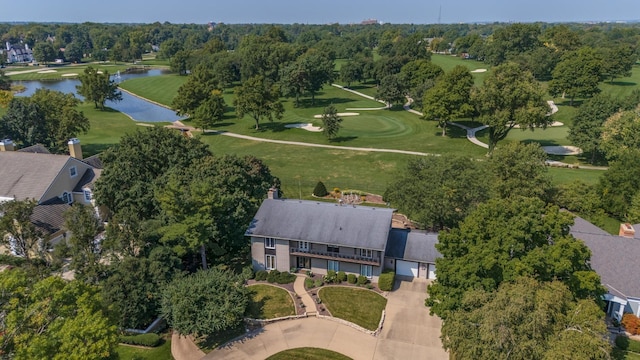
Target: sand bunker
<point x="339" y="114"/>
<point x="71" y="74"/>
<point x="307" y="126"/>
<point x="146" y="125"/>
<point x="479" y="70"/>
<point x="47" y="71"/>
<point x="562" y="150"/>
<point x="553" y="124"/>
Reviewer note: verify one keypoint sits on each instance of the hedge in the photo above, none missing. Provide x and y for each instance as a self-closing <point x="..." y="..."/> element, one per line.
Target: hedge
<point x="342" y="276"/>
<point x="150" y="339"/>
<point x="261" y="275"/>
<point x="352" y="278"/>
<point x="362" y="280"/>
<point x="386" y="280"/>
<point x="624" y="343"/>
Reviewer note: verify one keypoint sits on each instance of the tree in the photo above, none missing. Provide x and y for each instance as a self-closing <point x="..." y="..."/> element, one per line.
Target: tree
<point x="98" y="87"/>
<point x="438" y="192"/>
<point x="216" y="302"/>
<point x="449" y="98"/>
<point x="82" y="222"/>
<point x="320" y="190"/>
<point x="586" y="129"/>
<point x="577" y="74"/>
<point x="74" y="52"/>
<point x="5" y="99"/>
<point x="512" y="40"/>
<point x="510" y="96"/>
<point x="53" y="319"/>
<point x="24" y="122"/>
<point x="621" y="134"/>
<point x="44" y="52"/>
<point x="618" y="61"/>
<point x="391" y="90"/>
<point x="619" y="184"/>
<point x="331" y="122"/>
<point x="196" y="90"/>
<point x="504" y="239"/>
<point x="138" y="162"/>
<point x="179" y="62"/>
<point x="258" y="98"/>
<point x="319" y="70"/>
<point x="5" y="81"/>
<point x="520" y="170"/>
<point x="351" y="71"/>
<point x="18" y="233"/>
<point x="526" y="319"/>
<point x="210" y="111"/>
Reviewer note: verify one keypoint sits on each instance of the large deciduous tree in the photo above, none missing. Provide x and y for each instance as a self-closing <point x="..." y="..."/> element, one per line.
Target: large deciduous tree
<point x="450" y="98"/>
<point x="97" y="87"/>
<point x="392" y="90"/>
<point x="259" y="98"/>
<point x="504" y="239"/>
<point x="44" y="52"/>
<point x="18" y="232"/>
<point x="577" y="74"/>
<point x="621" y="134"/>
<point x="84" y="226"/>
<point x="204" y="303"/>
<point x="526" y="319"/>
<point x="618" y="61"/>
<point x="619" y="184"/>
<point x="510" y="96"/>
<point x="510" y="41"/>
<point x="586" y="129"/>
<point x="438" y="192"/>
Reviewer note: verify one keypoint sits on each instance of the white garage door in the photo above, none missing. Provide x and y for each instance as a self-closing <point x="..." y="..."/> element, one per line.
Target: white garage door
<point x="432" y="271"/>
<point x="406" y="268"/>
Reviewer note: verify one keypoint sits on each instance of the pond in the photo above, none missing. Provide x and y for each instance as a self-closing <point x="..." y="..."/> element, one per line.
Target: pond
<point x="136" y="108"/>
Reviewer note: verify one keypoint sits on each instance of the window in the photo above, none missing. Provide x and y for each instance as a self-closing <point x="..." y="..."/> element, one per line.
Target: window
<point x="87" y="195"/>
<point x="270" y="262"/>
<point x="270" y="243"/>
<point x="333" y="265"/>
<point x="366" y="270"/>
<point x="67" y="197"/>
<point x="73" y="172"/>
<point x="303" y="245"/>
<point x="368" y="253"/>
<point x="334" y="249"/>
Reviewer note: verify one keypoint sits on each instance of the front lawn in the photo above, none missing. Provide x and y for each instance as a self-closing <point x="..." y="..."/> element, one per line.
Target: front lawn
<point x="308" y="354"/>
<point x="162" y="352"/>
<point x="269" y="302"/>
<point x="359" y="306"/>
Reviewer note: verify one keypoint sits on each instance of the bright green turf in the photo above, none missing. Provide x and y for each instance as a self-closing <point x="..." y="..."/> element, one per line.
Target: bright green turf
<point x="65" y="69"/>
<point x="161" y="89"/>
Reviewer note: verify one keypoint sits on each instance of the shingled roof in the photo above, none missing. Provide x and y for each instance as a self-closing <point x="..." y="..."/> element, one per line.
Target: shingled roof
<point x="324" y="223"/>
<point x="28" y="175"/>
<point x="614" y="258"/>
<point x="49" y="216"/>
<point x="412" y="245"/>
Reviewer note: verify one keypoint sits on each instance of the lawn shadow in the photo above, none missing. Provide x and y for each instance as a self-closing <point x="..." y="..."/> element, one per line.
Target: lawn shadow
<point x="321" y="102"/>
<point x="454" y="132"/>
<point x="341" y="139"/>
<point x="622" y="83"/>
<point x="256" y="308"/>
<point x="541" y="142"/>
<point x="226" y="338"/>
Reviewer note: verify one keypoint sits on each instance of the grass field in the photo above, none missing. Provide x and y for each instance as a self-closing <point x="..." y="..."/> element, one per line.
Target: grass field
<point x="56" y="72"/>
<point x="362" y="307"/>
<point x="308" y="354"/>
<point x="161" y="89"/>
<point x="162" y="352"/>
<point x="269" y="302"/>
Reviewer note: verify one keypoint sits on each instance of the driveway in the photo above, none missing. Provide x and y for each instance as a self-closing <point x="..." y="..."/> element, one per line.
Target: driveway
<point x="409" y="332"/>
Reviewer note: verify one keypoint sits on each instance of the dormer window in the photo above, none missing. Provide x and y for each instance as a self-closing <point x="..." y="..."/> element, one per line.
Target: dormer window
<point x="67" y="197"/>
<point x="87" y="195"/>
<point x="73" y="171"/>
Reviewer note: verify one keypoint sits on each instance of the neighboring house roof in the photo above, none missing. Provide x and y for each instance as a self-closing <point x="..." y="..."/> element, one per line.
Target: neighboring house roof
<point x="49" y="216"/>
<point x="94" y="161"/>
<point x="37" y="148"/>
<point x="324" y="223"/>
<point x="614" y="258"/>
<point x="88" y="179"/>
<point x="28" y="175"/>
<point x="412" y="245"/>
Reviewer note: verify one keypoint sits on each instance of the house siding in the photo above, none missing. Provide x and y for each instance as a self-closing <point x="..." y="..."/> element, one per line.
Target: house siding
<point x="63" y="181"/>
<point x="257" y="253"/>
<point x="633" y="306"/>
<point x="282" y="255"/>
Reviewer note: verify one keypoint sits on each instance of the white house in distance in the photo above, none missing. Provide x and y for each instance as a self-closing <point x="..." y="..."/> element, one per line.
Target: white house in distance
<point x="18" y="53"/>
<point x="321" y="236"/>
<point x="54" y="181"/>
<point x="615" y="259"/>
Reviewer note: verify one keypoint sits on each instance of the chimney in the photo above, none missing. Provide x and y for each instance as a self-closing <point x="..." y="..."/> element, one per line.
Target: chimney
<point x="627" y="230"/>
<point x="273" y="193"/>
<point x="6" y="145"/>
<point x="75" y="150"/>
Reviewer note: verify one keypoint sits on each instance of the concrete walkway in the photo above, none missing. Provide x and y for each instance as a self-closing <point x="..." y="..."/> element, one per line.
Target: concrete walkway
<point x="183" y="348"/>
<point x="298" y="287"/>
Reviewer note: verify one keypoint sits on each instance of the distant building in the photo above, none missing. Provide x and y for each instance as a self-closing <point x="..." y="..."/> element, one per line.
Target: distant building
<point x="370" y="22"/>
<point x="17" y="53"/>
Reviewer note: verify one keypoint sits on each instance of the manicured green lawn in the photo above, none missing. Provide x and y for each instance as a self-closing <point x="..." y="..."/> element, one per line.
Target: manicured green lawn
<point x="565" y="176"/>
<point x="448" y="62"/>
<point x="359" y="306"/>
<point x="56" y="72"/>
<point x="269" y="302"/>
<point x="161" y="89"/>
<point x="162" y="352"/>
<point x="308" y="354"/>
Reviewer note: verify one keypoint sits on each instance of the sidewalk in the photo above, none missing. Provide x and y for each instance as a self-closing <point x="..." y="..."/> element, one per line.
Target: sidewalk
<point x="298" y="287"/>
<point x="183" y="348"/>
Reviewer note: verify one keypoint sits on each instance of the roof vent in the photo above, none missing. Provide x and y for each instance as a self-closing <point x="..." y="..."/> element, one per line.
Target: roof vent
<point x="627" y="230"/>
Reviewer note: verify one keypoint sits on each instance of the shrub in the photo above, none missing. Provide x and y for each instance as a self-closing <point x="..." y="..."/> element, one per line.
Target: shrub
<point x="341" y="276"/>
<point x="317" y="283"/>
<point x="150" y="339"/>
<point x="631" y="324"/>
<point x="320" y="190"/>
<point x="309" y="273"/>
<point x="247" y="273"/>
<point x="362" y="280"/>
<point x="11" y="260"/>
<point x="308" y="283"/>
<point x="261" y="275"/>
<point x="386" y="280"/>
<point x="624" y="343"/>
<point x="331" y="277"/>
<point x="351" y="278"/>
<point x="285" y="278"/>
<point x="273" y="276"/>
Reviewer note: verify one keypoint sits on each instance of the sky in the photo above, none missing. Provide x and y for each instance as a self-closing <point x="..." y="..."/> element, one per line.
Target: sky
<point x="318" y="11"/>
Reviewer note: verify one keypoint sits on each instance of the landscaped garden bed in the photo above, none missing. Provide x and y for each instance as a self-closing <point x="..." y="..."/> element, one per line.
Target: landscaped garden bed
<point x="359" y="306"/>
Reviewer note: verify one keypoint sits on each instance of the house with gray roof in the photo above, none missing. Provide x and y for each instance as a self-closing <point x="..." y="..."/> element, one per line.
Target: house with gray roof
<point x="320" y="236"/>
<point x="54" y="181"/>
<point x="412" y="253"/>
<point x="615" y="259"/>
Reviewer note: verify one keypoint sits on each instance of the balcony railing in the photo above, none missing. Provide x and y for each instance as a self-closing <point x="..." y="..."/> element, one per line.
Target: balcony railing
<point x="375" y="261"/>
